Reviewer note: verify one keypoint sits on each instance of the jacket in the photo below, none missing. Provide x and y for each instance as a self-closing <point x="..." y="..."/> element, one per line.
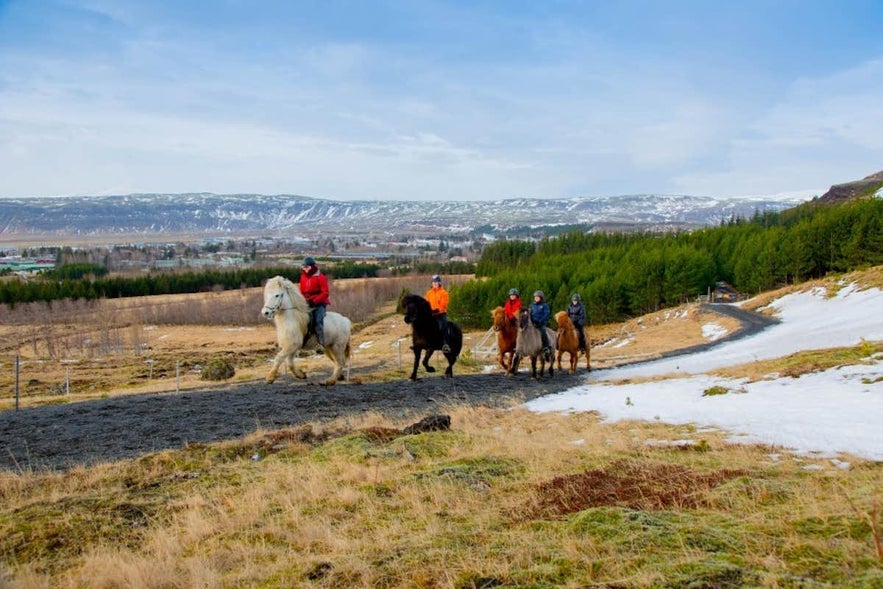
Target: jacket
<point x="314" y="286"/>
<point x="540" y="313"/>
<point x="577" y="314"/>
<point x="437" y="297"/>
<point x="512" y="307"/>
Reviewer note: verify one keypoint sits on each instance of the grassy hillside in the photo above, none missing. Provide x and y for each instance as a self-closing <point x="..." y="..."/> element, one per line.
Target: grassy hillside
<point x="503" y="499"/>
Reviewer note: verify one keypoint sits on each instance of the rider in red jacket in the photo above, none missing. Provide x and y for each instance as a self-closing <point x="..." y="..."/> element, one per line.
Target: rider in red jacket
<point x="314" y="287"/>
<point x="513" y="304"/>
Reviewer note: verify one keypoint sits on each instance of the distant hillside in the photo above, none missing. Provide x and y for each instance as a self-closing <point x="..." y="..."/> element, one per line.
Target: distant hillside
<point x="867" y="186"/>
<point x="256" y="215"/>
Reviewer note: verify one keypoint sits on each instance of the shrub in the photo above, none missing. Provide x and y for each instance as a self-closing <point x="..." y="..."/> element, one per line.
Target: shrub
<point x="217" y="369"/>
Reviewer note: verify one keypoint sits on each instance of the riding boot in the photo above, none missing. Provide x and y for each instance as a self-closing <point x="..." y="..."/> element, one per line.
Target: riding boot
<point x="547" y="350"/>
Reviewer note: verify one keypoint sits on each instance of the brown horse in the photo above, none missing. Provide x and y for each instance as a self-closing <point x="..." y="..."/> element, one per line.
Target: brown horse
<point x="507" y="333"/>
<point x="568" y="341"/>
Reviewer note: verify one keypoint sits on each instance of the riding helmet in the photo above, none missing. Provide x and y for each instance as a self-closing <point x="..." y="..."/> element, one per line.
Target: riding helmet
<point x="513" y="291"/>
<point x="540" y="294"/>
<point x="309" y="261"/>
<point x="436" y="278"/>
<point x="574" y="297"/>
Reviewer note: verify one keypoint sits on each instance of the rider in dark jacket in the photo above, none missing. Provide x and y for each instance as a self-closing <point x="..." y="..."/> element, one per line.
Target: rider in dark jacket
<point x="577" y="314"/>
<point x="539" y="316"/>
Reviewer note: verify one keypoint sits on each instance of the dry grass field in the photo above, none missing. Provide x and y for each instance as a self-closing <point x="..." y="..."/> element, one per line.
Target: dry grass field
<point x="505" y="498"/>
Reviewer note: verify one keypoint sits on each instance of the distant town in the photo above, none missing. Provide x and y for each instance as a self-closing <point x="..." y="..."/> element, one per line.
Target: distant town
<point x="223" y="252"/>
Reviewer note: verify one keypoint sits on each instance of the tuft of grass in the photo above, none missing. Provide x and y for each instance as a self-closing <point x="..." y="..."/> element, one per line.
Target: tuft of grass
<point x="715" y="390"/>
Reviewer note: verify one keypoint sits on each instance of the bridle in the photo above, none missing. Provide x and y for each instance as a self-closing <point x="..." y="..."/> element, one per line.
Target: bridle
<point x="269" y="311"/>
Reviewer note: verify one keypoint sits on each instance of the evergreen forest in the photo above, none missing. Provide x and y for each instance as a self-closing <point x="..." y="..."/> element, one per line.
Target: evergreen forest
<point x="625" y="275"/>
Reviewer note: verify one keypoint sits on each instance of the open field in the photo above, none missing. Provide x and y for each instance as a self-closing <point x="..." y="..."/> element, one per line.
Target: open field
<point x="505" y="498"/>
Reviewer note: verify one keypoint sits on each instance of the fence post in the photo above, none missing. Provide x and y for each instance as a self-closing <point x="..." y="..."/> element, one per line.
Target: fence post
<point x="17" y="364"/>
<point x="177" y="376"/>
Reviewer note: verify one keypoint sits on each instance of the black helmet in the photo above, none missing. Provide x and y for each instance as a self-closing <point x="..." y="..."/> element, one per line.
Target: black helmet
<point x="513" y="291"/>
<point x="309" y="261"/>
<point x="574" y="297"/>
<point x="436" y="278"/>
<point x="539" y="293"/>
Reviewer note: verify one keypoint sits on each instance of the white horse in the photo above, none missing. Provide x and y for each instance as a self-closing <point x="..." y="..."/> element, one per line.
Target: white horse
<point x="284" y="303"/>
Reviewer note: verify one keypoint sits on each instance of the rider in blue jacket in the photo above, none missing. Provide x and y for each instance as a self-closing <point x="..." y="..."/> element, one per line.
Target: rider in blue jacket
<point x="539" y="316"/>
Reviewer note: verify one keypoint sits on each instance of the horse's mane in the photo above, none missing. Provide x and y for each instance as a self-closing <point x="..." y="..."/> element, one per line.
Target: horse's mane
<point x="297" y="299"/>
<point x="563" y="319"/>
<point x="415" y="299"/>
<point x="500" y="318"/>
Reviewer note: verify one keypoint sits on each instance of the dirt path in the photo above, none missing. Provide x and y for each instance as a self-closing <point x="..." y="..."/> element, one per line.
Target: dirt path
<point x="62" y="436"/>
<point x="90" y="432"/>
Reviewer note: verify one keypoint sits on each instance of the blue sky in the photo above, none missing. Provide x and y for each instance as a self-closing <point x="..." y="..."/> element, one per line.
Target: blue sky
<point x="440" y="100"/>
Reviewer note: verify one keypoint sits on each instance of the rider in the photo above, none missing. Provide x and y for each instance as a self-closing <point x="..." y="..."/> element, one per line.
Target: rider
<point x="539" y="316"/>
<point x="314" y="287"/>
<point x="437" y="297"/>
<point x="513" y="304"/>
<point x="577" y="314"/>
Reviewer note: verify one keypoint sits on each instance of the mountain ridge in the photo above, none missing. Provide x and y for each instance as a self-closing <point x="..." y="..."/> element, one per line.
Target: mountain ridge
<point x="259" y="214"/>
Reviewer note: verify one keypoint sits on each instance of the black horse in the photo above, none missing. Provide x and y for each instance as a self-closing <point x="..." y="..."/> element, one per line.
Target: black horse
<point x="425" y="334"/>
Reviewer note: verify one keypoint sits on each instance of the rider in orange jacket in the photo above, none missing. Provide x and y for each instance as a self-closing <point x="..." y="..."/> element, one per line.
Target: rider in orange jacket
<point x="437" y="297"/>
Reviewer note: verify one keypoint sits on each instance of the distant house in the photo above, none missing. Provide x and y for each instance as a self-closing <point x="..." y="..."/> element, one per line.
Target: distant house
<point x="725" y="293"/>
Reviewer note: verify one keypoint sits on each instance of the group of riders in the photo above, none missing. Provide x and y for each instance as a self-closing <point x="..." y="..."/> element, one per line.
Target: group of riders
<point x="540" y="313"/>
<point x="314" y="287"/>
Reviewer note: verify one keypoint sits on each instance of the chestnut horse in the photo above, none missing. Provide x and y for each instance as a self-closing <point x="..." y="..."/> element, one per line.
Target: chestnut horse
<point x="568" y="341"/>
<point x="507" y="333"/>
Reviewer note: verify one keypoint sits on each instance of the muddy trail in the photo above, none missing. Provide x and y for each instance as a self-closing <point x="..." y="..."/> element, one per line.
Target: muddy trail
<point x="63" y="436"/>
<point x="58" y="437"/>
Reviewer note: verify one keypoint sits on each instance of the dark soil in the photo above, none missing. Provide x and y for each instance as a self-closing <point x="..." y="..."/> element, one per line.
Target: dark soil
<point x="86" y="433"/>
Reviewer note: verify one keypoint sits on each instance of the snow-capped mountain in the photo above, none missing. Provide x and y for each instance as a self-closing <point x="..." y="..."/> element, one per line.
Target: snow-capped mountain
<point x="255" y="214"/>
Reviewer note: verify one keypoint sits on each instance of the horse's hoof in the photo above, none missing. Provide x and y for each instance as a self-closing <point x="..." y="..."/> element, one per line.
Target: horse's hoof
<point x="429" y="368"/>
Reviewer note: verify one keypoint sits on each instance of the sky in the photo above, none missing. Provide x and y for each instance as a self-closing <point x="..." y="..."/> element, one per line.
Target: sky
<point x="439" y="99"/>
<point x="830" y="414"/>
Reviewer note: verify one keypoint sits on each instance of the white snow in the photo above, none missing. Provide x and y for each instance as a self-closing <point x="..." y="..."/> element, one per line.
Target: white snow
<point x="826" y="413"/>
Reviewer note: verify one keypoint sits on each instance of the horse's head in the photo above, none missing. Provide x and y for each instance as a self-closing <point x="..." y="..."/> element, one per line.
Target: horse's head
<point x="499" y="316"/>
<point x="274" y="297"/>
<point x="563" y="319"/>
<point x="414" y="306"/>
<point x="523" y="318"/>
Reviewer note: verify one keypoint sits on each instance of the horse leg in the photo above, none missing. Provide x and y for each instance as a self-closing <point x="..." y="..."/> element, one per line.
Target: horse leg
<point x="274" y="369"/>
<point x="559" y="354"/>
<point x="426" y="358"/>
<point x="334" y="354"/>
<point x="293" y="369"/>
<point x="533" y="367"/>
<point x="416" y="363"/>
<point x="514" y="361"/>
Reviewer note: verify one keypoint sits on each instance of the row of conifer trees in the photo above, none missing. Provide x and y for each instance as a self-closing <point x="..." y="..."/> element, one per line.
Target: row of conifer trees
<point x="625" y="275"/>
